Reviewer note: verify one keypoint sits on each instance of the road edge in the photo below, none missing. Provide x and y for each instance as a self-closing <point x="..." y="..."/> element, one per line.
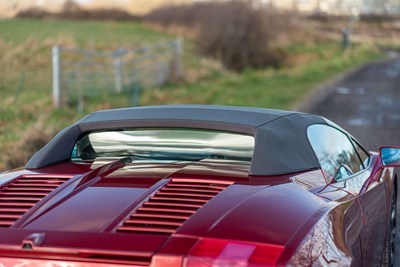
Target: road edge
<point x="320" y="92"/>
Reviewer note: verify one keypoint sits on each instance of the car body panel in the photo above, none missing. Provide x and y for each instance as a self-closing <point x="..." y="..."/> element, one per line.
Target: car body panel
<point x="241" y="202"/>
<point x="125" y="212"/>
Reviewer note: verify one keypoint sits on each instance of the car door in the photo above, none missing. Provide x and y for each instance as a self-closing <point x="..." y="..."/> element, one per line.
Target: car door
<point x="374" y="201"/>
<point x="347" y="173"/>
<point x="372" y="197"/>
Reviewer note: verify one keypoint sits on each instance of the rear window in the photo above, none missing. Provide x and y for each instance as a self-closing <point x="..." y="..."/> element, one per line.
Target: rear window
<point x="164" y="144"/>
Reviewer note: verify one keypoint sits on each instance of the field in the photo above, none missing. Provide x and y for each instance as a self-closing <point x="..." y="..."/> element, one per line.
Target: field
<point x="28" y="119"/>
<point x="311" y="64"/>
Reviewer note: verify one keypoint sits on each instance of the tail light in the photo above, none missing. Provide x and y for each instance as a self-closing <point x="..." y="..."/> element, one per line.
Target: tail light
<point x="223" y="253"/>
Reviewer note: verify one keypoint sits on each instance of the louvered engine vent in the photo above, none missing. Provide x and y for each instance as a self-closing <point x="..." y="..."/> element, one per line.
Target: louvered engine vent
<point x="172" y="205"/>
<point x="18" y="196"/>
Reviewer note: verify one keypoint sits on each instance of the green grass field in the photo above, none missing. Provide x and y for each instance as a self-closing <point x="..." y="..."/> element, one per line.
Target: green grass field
<point x="84" y="33"/>
<point x="25" y="77"/>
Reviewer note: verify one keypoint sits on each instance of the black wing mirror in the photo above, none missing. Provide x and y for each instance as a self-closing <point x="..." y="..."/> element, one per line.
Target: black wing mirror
<point x="390" y="156"/>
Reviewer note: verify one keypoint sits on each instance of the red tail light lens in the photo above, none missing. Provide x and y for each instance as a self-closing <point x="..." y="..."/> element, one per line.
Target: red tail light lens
<point x="223" y="253"/>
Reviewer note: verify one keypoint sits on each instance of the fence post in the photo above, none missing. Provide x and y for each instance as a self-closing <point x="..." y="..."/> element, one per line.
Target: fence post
<point x="56" y="76"/>
<point x="177" y="57"/>
<point x="81" y="93"/>
<point x="136" y="92"/>
<point x="117" y="60"/>
<point x="118" y="74"/>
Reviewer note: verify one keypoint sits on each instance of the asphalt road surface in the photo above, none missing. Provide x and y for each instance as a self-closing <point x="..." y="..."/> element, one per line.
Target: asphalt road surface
<point x="367" y="104"/>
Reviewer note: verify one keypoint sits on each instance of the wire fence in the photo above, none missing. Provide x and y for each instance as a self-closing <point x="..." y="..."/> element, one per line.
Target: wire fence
<point x="80" y="73"/>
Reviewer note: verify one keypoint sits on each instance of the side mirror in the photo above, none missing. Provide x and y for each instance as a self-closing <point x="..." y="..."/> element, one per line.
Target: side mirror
<point x="390" y="156"/>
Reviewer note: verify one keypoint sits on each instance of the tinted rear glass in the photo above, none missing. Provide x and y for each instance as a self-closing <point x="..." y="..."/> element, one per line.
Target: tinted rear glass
<point x="164" y="144"/>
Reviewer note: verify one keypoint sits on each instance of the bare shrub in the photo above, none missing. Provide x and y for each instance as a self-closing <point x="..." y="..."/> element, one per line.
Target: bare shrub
<point x="72" y="11"/>
<point x="189" y="16"/>
<point x="70" y="6"/>
<point x="234" y="32"/>
<point x="379" y="18"/>
<point x="239" y="36"/>
<point x="33" y="13"/>
<point x="18" y="153"/>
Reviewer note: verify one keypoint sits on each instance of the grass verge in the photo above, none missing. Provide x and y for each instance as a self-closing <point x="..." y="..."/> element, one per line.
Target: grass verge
<point x="309" y="65"/>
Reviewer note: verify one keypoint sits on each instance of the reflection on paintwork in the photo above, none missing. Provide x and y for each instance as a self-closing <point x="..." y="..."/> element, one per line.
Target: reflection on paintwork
<point x="320" y="248"/>
<point x="354" y="184"/>
<point x="8" y="262"/>
<point x="310" y="180"/>
<point x="333" y="193"/>
<point x="390" y="155"/>
<point x="72" y="215"/>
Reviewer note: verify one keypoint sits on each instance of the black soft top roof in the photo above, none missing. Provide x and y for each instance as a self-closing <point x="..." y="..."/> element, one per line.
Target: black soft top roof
<point x="281" y="144"/>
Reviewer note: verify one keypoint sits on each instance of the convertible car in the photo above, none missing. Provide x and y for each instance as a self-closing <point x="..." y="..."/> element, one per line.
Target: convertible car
<point x="200" y="186"/>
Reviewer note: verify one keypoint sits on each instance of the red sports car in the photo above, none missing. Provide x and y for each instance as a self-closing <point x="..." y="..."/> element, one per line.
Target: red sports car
<point x="199" y="186"/>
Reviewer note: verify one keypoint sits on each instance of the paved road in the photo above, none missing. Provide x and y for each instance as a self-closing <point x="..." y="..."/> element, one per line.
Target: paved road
<point x="367" y="104"/>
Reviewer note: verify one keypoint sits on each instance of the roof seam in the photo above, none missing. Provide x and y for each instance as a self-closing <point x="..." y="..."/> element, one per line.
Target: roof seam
<point x="277" y="118"/>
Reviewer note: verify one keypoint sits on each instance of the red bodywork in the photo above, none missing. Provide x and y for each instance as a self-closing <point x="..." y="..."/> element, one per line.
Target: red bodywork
<point x="191" y="214"/>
